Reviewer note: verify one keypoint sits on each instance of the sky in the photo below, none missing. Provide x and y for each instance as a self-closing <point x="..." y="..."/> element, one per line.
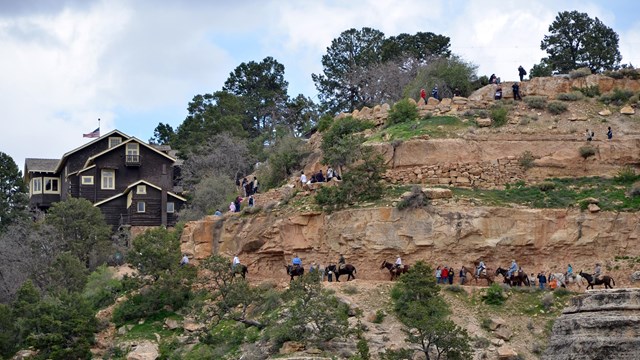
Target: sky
<point x="134" y="64"/>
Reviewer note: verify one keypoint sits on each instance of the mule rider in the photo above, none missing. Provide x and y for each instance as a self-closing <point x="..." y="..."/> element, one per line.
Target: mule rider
<point x="480" y="268"/>
<point x="398" y="262"/>
<point x="569" y="270"/>
<point x="597" y="272"/>
<point x="236" y="262"/>
<point x="513" y="268"/>
<point x="296" y="262"/>
<point x="341" y="262"/>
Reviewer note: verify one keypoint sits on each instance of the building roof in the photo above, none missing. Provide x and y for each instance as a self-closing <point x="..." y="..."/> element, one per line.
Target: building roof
<point x="130" y="187"/>
<point x="40" y="165"/>
<point x="131" y="139"/>
<point x="66" y="155"/>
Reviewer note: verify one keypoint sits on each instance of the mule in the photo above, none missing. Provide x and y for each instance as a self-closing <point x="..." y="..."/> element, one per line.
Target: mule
<point x="517" y="278"/>
<point x="564" y="279"/>
<point x="348" y="269"/>
<point x="483" y="275"/>
<point x="605" y="280"/>
<point x="294" y="271"/>
<point x="393" y="271"/>
<point x="241" y="270"/>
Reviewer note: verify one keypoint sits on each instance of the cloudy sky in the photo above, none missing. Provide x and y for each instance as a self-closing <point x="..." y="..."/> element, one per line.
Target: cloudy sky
<point x="133" y="64"/>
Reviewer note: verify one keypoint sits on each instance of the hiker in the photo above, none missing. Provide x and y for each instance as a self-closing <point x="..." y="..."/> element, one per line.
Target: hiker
<point x="185" y="260"/>
<point x="516" y="91"/>
<point x="434" y="92"/>
<point x="498" y="94"/>
<point x="521" y="72"/>
<point x="423" y="95"/>
<point x="609" y="133"/>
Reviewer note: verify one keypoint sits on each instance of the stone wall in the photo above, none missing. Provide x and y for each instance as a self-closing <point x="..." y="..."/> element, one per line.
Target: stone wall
<point x="601" y="324"/>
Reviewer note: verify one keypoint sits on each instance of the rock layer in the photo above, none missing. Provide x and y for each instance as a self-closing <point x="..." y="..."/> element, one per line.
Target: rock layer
<point x="600" y="324"/>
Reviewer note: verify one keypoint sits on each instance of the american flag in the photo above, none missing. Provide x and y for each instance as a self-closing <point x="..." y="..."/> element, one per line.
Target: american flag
<point x="94" y="134"/>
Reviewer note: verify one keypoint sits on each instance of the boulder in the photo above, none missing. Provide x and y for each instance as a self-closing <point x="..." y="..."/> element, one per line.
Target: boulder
<point x="290" y="347"/>
<point x="496" y="323"/>
<point x="24" y="354"/>
<point x="503" y="333"/>
<point x="191" y="325"/>
<point x="635" y="276"/>
<point x="605" y="112"/>
<point x="486" y="122"/>
<point x="593" y="208"/>
<point x="437" y="193"/>
<point x="171" y="324"/>
<point x="627" y="110"/>
<point x="432" y="101"/>
<point x="507" y="353"/>
<point x="145" y="350"/>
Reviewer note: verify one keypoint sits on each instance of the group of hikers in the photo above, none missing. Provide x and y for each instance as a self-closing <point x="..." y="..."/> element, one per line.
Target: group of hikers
<point x="318" y="177"/>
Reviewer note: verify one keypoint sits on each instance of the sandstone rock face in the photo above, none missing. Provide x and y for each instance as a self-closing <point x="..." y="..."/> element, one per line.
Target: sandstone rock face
<point x="600" y="324"/>
<point x="145" y="350"/>
<point x="439" y="234"/>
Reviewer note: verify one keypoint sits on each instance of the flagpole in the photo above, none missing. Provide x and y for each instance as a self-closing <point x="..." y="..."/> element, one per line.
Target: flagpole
<point x="98" y="124"/>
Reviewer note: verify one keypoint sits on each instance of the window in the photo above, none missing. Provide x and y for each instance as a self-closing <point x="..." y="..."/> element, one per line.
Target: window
<point x="141" y="206"/>
<point x="141" y="189"/>
<point x="36" y="186"/>
<point x="108" y="179"/>
<point x="133" y="149"/>
<point x="114" y="141"/>
<point x="171" y="207"/>
<point x="87" y="180"/>
<point x="51" y="185"/>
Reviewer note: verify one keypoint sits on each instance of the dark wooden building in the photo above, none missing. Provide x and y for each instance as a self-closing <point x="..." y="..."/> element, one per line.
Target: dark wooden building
<point x="130" y="181"/>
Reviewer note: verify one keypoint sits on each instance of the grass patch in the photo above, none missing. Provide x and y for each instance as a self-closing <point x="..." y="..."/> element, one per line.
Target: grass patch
<point x="435" y="127"/>
<point x="152" y="325"/>
<point x="562" y="194"/>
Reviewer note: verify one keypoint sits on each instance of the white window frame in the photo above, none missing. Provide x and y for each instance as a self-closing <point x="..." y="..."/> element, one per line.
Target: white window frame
<point x="134" y="149"/>
<point x="171" y="207"/>
<point x="36" y="185"/>
<point x="86" y="180"/>
<point x="141" y="189"/>
<point x="52" y="179"/>
<point x="114" y="141"/>
<point x="104" y="176"/>
<point x="144" y="207"/>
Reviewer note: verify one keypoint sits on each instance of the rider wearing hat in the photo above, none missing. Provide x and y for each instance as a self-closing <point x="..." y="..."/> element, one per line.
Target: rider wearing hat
<point x="296" y="262"/>
<point x="480" y="268"/>
<point x="597" y="272"/>
<point x="513" y="268"/>
<point x="341" y="262"/>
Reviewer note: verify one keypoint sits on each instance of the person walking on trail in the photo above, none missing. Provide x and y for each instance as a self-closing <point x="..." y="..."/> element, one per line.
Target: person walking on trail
<point x="480" y="268"/>
<point x="542" y="280"/>
<point x="609" y="133"/>
<point x="451" y="275"/>
<point x="434" y="92"/>
<point x="521" y="72"/>
<point x="516" y="91"/>
<point x="438" y="274"/>
<point x="463" y="275"/>
<point x="185" y="260"/>
<point x="423" y="95"/>
<point x="444" y="275"/>
<point x="513" y="268"/>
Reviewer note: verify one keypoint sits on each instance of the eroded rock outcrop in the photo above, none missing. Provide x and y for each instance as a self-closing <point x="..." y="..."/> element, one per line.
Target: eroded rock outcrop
<point x="600" y="324"/>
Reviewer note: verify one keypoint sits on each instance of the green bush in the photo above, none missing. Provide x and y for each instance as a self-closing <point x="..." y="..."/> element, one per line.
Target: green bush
<point x="634" y="99"/>
<point x="402" y="111"/>
<point x="572" y="96"/>
<point x="325" y="122"/>
<point x="578" y="73"/>
<point x="494" y="295"/>
<point x="556" y="107"/>
<point x="101" y="289"/>
<point x="589" y="91"/>
<point x="614" y="74"/>
<point x="499" y="116"/>
<point x="536" y="102"/>
<point x="546" y="185"/>
<point x="626" y="175"/>
<point x="630" y="72"/>
<point x="616" y="97"/>
<point x="379" y="318"/>
<point x="587" y="151"/>
<point x="526" y="160"/>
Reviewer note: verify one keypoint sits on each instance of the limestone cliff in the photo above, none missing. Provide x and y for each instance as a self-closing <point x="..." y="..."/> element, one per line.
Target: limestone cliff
<point x="601" y="324"/>
<point x="446" y="234"/>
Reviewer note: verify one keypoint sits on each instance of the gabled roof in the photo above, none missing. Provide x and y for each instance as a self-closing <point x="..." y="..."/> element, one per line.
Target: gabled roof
<point x="131" y="139"/>
<point x="40" y="165"/>
<point x="67" y="154"/>
<point x="130" y="187"/>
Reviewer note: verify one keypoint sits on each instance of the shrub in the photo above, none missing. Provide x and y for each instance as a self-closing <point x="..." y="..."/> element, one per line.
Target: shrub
<point x="536" y="102"/>
<point x="547" y="301"/>
<point x="589" y="91"/>
<point x="614" y="74"/>
<point x="556" y="107"/>
<point x="634" y="99"/>
<point x="379" y="318"/>
<point x="635" y="190"/>
<point x="415" y="200"/>
<point x="578" y="73"/>
<point x="494" y="295"/>
<point x="101" y="288"/>
<point x="626" y="174"/>
<point x="455" y="289"/>
<point x="526" y="160"/>
<point x="350" y="290"/>
<point x="402" y="111"/>
<point x="481" y="342"/>
<point x="616" y="97"/>
<point x="587" y="151"/>
<point x="572" y="96"/>
<point x="546" y="186"/>
<point x="499" y="116"/>
<point x="630" y="72"/>
<point x="486" y="324"/>
<point x="325" y="122"/>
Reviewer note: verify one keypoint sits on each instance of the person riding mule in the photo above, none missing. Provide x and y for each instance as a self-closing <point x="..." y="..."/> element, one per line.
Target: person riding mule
<point x="347" y="269"/>
<point x="341" y="262"/>
<point x="480" y="268"/>
<point x="518" y="278"/>
<point x="605" y="280"/>
<point x="513" y="268"/>
<point x="296" y="262"/>
<point x="394" y="270"/>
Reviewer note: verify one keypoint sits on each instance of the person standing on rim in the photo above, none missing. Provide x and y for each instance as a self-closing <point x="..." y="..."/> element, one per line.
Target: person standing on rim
<point x="521" y="72"/>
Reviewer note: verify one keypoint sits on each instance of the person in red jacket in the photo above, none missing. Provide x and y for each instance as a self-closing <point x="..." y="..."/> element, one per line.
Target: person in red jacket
<point x="423" y="95"/>
<point x="444" y="275"/>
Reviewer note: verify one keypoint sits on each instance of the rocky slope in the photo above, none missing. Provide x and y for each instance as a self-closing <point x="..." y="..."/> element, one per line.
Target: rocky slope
<point x="601" y="324"/>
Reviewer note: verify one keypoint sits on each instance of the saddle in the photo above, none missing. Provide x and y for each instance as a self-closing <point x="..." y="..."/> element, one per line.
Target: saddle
<point x="341" y="266"/>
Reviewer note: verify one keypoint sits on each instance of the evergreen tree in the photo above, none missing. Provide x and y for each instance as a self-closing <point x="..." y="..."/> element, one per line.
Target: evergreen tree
<point x="13" y="192"/>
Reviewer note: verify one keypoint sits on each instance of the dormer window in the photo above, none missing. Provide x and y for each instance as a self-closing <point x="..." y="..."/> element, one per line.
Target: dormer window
<point x="114" y="141"/>
<point x="133" y="149"/>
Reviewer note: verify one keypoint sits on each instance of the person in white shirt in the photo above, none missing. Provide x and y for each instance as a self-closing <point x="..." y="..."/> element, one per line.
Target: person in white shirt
<point x="185" y="260"/>
<point x="303" y="179"/>
<point x="236" y="261"/>
<point x="398" y="262"/>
